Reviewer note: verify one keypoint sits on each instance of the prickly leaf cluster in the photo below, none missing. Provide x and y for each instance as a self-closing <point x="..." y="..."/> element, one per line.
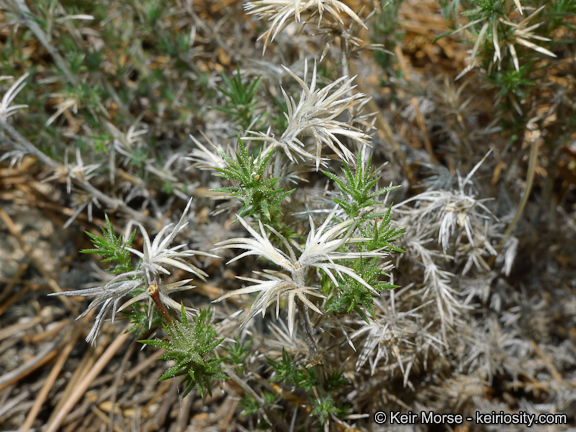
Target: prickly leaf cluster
<point x="190" y="345"/>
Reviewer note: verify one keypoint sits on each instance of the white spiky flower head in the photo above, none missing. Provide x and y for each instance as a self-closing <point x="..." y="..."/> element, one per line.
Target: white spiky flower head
<point x="156" y="255"/>
<point x="283" y="12"/>
<point x="319" y="252"/>
<point x="5" y="109"/>
<point x="155" y="259"/>
<point x="315" y="115"/>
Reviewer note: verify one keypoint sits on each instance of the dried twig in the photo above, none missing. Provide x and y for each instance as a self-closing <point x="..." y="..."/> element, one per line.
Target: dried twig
<point x="81" y="388"/>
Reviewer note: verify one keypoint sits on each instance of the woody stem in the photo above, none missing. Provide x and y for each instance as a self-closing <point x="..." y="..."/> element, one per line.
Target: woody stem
<point x="154" y="293"/>
<point x="307" y="325"/>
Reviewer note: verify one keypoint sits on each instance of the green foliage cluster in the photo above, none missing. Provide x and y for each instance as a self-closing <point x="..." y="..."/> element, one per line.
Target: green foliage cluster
<point x="514" y="50"/>
<point x="324" y="406"/>
<point x="112" y="248"/>
<point x="387" y="31"/>
<point x="191" y="346"/>
<point x="260" y="196"/>
<point x="290" y="373"/>
<point x="358" y="191"/>
<point x="287" y="372"/>
<point x="139" y="317"/>
<point x="251" y="406"/>
<point x="352" y="296"/>
<point x="357" y="188"/>
<point x="240" y="100"/>
<point x="238" y="353"/>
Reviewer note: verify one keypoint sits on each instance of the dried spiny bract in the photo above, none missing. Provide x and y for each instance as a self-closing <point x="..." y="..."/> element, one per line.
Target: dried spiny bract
<point x="457" y="391"/>
<point x="315" y="115"/>
<point x="319" y="252"/>
<point x="155" y="257"/>
<point x="443" y="210"/>
<point x="508" y="254"/>
<point x="70" y="100"/>
<point x="437" y="282"/>
<point x="125" y="144"/>
<point x="16" y="157"/>
<point x="81" y="200"/>
<point x="449" y="209"/>
<point x="395" y="335"/>
<point x="530" y="316"/>
<point x="438" y="213"/>
<point x="492" y="349"/>
<point x="284" y="12"/>
<point x="348" y="36"/>
<point x="71" y="171"/>
<point x="5" y="109"/>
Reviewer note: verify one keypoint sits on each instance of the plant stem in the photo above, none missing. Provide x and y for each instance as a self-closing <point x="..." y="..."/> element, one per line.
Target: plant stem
<point x="277" y="170"/>
<point x="527" y="190"/>
<point x="529" y="181"/>
<point x="308" y="329"/>
<point x="154" y="293"/>
<point x="27" y="145"/>
<point x="345" y="52"/>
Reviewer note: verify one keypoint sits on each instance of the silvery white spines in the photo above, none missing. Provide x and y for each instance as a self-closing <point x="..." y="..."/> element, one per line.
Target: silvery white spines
<point x="17" y="155"/>
<point x="283" y="12"/>
<point x="154" y="259"/>
<point x="157" y="255"/>
<point x="5" y="109"/>
<point x="319" y="251"/>
<point x="314" y="115"/>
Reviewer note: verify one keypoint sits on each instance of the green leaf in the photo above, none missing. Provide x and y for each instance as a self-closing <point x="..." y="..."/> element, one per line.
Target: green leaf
<point x="240" y="100"/>
<point x="324" y="406"/>
<point x="112" y="248"/>
<point x="191" y="346"/>
<point x="259" y="195"/>
<point x="357" y="190"/>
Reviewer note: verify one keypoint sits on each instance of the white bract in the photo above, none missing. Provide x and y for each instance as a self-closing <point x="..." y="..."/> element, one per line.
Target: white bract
<point x="205" y="159"/>
<point x="5" y="109"/>
<point x="154" y="260"/>
<point x="283" y="12"/>
<point x="457" y="219"/>
<point x="315" y="116"/>
<point x="71" y="171"/>
<point x="157" y="255"/>
<point x="451" y="208"/>
<point x="319" y="252"/>
<point x="395" y="336"/>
